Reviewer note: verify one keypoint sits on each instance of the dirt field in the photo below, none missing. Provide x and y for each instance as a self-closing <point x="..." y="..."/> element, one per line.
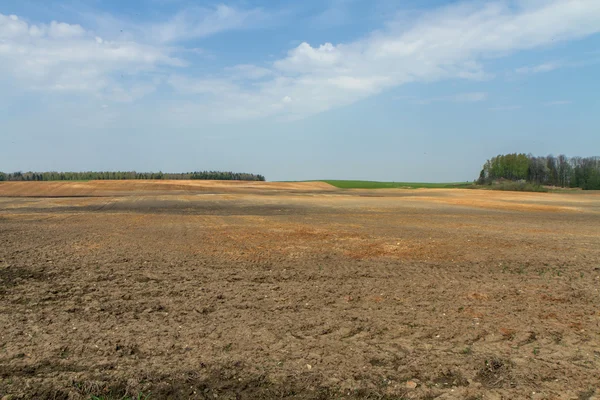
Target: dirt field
<point x="274" y="290"/>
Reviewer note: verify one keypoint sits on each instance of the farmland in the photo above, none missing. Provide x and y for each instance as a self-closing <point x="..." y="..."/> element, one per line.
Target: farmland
<point x="349" y="184"/>
<point x="201" y="289"/>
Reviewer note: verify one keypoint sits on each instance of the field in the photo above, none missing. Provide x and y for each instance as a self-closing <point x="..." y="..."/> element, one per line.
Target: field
<point x="253" y="290"/>
<point x="394" y="185"/>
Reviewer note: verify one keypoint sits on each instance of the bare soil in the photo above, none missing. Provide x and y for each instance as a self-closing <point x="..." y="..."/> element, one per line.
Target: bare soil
<point x="272" y="290"/>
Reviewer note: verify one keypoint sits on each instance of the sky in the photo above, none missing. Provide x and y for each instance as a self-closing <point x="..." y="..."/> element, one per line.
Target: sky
<point x="390" y="90"/>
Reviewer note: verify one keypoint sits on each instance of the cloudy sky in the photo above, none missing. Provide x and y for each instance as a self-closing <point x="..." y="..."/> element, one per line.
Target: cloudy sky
<point x="401" y="90"/>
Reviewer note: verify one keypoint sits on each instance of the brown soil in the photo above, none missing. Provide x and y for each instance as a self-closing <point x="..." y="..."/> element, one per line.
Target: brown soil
<point x="120" y="188"/>
<point x="271" y="290"/>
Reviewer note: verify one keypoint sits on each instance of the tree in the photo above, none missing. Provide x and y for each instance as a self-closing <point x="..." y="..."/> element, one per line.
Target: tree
<point x="558" y="171"/>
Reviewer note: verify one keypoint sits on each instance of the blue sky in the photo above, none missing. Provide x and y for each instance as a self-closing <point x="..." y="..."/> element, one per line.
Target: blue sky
<point x="347" y="89"/>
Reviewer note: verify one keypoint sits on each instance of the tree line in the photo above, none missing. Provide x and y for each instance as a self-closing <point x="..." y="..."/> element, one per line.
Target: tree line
<point x="125" y="175"/>
<point x="562" y="171"/>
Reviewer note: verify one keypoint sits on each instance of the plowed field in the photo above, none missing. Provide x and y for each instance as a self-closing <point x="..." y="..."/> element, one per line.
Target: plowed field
<point x="296" y="290"/>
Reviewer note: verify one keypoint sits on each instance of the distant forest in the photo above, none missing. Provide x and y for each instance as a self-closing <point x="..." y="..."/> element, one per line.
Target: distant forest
<point x="562" y="171"/>
<point x="120" y="175"/>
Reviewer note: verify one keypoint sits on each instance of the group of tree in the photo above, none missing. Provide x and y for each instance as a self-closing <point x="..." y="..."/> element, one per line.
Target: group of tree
<point x="562" y="171"/>
<point x="125" y="175"/>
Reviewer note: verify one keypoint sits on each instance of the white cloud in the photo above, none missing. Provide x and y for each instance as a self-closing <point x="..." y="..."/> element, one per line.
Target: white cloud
<point x="220" y="87"/>
<point x="305" y="58"/>
<point x="452" y="42"/>
<point x="248" y="71"/>
<point x="554" y="65"/>
<point x="130" y="93"/>
<point x="200" y="22"/>
<point x="66" y="58"/>
<point x="546" y="67"/>
<point x="61" y="30"/>
<point x="449" y="43"/>
<point x="367" y="84"/>
<point x="187" y="24"/>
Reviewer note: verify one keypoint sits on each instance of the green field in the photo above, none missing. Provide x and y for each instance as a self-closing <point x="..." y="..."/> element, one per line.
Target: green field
<point x="395" y="185"/>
